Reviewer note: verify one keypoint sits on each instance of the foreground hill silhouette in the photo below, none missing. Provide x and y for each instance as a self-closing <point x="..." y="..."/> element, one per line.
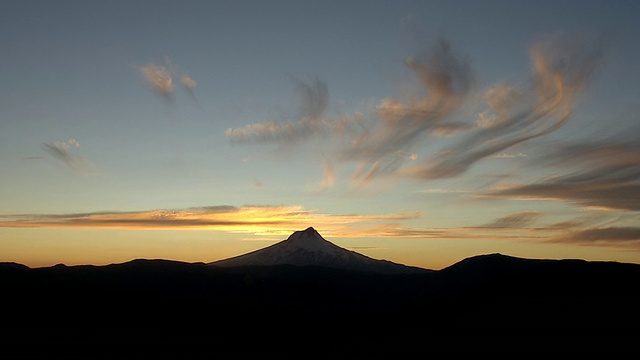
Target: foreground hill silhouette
<point x="487" y="302"/>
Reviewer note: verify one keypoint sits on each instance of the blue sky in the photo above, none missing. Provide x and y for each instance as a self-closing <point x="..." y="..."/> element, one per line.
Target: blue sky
<point x="417" y="131"/>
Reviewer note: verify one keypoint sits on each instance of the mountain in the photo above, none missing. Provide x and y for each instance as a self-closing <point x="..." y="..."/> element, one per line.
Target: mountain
<point x="493" y="306"/>
<point x="309" y="248"/>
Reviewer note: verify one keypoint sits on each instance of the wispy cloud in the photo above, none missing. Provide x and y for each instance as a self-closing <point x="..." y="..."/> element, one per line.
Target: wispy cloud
<point x="62" y="151"/>
<point x="292" y="132"/>
<point x="563" y="66"/>
<point x="259" y="220"/>
<point x="511" y="221"/>
<point x="603" y="174"/>
<point x="505" y="155"/>
<point x="160" y="79"/>
<point x="190" y="85"/>
<point x="384" y="143"/>
<point x="608" y="236"/>
<point x="278" y="222"/>
<point x="314" y="98"/>
<point x="401" y="125"/>
<point x="257" y="184"/>
<point x="444" y="191"/>
<point x="309" y="123"/>
<point x="588" y="230"/>
<point x="188" y="82"/>
<point x="328" y="178"/>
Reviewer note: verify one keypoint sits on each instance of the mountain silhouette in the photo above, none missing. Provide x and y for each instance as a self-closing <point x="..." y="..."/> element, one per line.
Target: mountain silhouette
<point x="306" y="297"/>
<point x="309" y="248"/>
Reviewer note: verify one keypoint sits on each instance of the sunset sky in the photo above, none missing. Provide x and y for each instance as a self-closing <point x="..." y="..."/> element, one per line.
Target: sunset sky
<point x="420" y="132"/>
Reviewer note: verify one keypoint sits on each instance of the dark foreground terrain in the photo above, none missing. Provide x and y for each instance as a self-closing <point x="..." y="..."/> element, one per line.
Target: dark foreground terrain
<point x="483" y="307"/>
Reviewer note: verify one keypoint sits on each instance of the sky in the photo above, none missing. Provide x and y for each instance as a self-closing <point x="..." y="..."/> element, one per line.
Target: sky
<point x="420" y="132"/>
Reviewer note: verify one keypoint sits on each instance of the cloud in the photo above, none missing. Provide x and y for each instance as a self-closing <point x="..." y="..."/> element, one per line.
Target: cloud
<point x="381" y="141"/>
<point x="62" y="151"/>
<point x="610" y="236"/>
<point x="328" y="178"/>
<point x="188" y="82"/>
<point x="384" y="146"/>
<point x="259" y="220"/>
<point x="158" y="78"/>
<point x="292" y="132"/>
<point x="509" y="156"/>
<point x="257" y="184"/>
<point x="310" y="123"/>
<point x="511" y="221"/>
<point x="190" y="85"/>
<point x="602" y="174"/>
<point x="447" y="80"/>
<point x="314" y="98"/>
<point x="446" y="76"/>
<point x="563" y="66"/>
<point x="269" y="221"/>
<point x="397" y="231"/>
<point x="277" y="222"/>
<point x="433" y="134"/>
<point x="444" y="191"/>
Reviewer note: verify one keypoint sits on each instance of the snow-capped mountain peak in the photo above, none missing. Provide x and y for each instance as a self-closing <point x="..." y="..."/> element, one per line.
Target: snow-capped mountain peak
<point x="310" y="240"/>
<point x="309" y="248"/>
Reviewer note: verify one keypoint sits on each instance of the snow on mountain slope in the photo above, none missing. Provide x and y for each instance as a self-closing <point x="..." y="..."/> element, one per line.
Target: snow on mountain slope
<point x="309" y="248"/>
